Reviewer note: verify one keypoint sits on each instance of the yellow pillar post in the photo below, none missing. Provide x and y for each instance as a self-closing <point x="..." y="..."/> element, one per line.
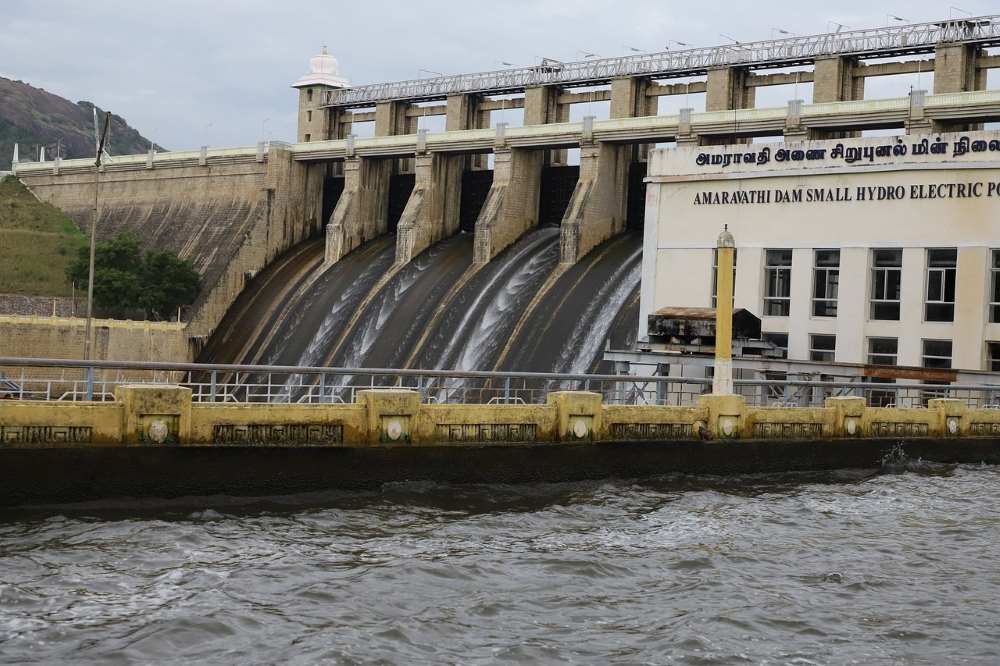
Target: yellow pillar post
<point x="722" y="381"/>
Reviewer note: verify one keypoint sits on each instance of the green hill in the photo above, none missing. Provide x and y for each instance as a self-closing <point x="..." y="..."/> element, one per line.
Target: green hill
<point x="33" y="118"/>
<point x="37" y="242"/>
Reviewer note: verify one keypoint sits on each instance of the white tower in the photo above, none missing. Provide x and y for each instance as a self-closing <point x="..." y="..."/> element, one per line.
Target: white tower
<point x="323" y="76"/>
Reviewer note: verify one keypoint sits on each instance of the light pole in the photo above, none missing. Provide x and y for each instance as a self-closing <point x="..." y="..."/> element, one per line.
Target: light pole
<point x="93" y="237"/>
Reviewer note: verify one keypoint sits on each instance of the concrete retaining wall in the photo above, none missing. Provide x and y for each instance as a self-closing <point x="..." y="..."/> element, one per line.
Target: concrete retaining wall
<point x="60" y="337"/>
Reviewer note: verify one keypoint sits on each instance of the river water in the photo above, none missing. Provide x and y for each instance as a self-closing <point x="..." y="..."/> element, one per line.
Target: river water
<point x="831" y="569"/>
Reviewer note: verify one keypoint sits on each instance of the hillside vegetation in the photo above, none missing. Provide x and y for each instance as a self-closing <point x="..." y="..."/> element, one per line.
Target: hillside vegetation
<point x="38" y="242"/>
<point x="32" y="118"/>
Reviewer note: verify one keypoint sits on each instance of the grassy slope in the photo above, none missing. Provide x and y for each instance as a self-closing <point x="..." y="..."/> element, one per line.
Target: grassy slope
<point x="37" y="243"/>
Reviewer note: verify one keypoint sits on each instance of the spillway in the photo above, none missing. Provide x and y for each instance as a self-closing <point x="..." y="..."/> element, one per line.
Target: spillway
<point x="317" y="316"/>
<point x="394" y="319"/>
<point x="519" y="312"/>
<point x="237" y="335"/>
<point x="568" y="327"/>
<point x="471" y="332"/>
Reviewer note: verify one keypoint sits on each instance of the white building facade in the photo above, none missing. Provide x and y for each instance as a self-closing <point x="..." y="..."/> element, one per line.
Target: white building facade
<point x="882" y="251"/>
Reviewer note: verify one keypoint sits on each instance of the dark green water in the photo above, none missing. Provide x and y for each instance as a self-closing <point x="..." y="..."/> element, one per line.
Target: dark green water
<point x="831" y="569"/>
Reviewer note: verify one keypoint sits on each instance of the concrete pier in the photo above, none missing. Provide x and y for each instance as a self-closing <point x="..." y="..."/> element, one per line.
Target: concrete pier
<point x="432" y="213"/>
<point x="511" y="207"/>
<point x="362" y="212"/>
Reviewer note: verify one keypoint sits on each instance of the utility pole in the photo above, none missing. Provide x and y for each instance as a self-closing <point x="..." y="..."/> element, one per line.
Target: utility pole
<point x="93" y="236"/>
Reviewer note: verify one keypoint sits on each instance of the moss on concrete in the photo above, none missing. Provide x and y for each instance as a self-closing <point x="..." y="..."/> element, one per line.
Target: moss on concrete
<point x="37" y="242"/>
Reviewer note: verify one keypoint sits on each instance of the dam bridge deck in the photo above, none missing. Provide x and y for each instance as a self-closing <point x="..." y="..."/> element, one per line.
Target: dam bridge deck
<point x="969" y="107"/>
<point x="887" y="41"/>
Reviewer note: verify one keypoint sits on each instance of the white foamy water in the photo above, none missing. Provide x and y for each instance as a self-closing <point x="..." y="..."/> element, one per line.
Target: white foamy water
<point x="475" y="335"/>
<point x="591" y="330"/>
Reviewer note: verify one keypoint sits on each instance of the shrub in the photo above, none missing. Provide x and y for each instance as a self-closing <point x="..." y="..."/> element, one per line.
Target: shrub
<point x="126" y="279"/>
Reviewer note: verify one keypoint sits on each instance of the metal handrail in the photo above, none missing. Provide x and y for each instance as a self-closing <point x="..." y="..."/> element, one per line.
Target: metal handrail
<point x="259" y="370"/>
<point x="871" y="42"/>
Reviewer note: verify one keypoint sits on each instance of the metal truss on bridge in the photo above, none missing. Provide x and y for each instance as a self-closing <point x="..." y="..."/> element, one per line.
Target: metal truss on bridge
<point x="870" y="43"/>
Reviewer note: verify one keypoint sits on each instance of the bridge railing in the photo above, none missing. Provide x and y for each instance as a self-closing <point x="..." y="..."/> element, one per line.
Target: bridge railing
<point x="69" y="380"/>
<point x="870" y="42"/>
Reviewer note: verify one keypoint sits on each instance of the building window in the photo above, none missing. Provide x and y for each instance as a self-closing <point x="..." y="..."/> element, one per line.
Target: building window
<point x="887" y="277"/>
<point x="309" y="116"/>
<point x="309" y="94"/>
<point x="882" y="351"/>
<point x="778" y="276"/>
<point x="826" y="283"/>
<point x="937" y="354"/>
<point x="715" y="274"/>
<point x="822" y="348"/>
<point x="940" y="305"/>
<point x="779" y="340"/>
<point x="995" y="288"/>
<point x="993" y="356"/>
<point x="308" y="138"/>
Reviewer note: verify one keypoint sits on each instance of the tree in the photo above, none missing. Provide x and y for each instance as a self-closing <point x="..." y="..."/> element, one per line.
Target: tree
<point x="126" y="280"/>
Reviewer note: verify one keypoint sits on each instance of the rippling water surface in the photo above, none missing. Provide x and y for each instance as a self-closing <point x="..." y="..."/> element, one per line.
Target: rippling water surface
<point x="806" y="570"/>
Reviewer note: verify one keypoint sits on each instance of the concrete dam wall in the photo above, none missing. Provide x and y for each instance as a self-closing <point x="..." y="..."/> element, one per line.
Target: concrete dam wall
<point x="230" y="214"/>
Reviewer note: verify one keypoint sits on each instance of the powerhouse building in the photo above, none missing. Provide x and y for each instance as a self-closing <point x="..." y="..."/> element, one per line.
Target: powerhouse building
<point x="872" y="251"/>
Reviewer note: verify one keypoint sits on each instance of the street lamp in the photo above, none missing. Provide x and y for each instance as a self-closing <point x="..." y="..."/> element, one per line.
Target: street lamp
<point x="429" y="71"/>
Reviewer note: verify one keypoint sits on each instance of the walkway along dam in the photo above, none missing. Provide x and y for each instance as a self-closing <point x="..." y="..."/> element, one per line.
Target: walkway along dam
<point x="193" y="436"/>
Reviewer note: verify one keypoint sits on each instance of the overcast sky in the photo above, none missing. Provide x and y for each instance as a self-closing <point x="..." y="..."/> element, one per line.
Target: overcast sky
<point x="217" y="72"/>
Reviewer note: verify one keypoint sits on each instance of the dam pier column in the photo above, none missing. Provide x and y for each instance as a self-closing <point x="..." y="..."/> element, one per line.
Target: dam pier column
<point x="432" y="212"/>
<point x="727" y="89"/>
<point x="362" y="212"/>
<point x="511" y="207"/>
<point x="598" y="208"/>
<point x="956" y="70"/>
<point x="542" y="107"/>
<point x="836" y="80"/>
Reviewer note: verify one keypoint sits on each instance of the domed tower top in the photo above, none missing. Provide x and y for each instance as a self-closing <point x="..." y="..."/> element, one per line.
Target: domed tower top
<point x="324" y="70"/>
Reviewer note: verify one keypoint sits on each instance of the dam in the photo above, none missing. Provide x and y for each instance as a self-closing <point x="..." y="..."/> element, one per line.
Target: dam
<point x="552" y="300"/>
<point x="376" y="241"/>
